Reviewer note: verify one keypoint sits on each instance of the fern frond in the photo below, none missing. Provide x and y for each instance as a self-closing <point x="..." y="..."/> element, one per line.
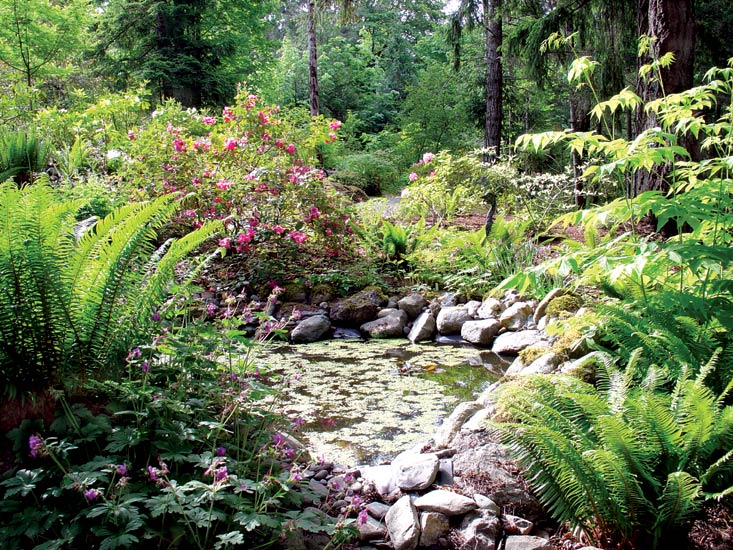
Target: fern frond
<point x="678" y="502"/>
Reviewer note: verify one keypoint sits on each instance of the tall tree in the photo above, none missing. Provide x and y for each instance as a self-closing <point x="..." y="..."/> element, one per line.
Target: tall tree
<point x="486" y="14"/>
<point x="671" y="26"/>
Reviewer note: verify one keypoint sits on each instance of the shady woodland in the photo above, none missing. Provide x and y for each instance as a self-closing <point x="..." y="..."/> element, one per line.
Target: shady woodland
<point x="366" y="274"/>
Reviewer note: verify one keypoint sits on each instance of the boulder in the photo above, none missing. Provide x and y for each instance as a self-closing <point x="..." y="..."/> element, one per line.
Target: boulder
<point x="515" y="316"/>
<point x="451" y="319"/>
<point x="480" y="332"/>
<point x="390" y="325"/>
<point x="382" y="477"/>
<point x="310" y="329"/>
<point x="412" y="304"/>
<point x="358" y="309"/>
<point x="419" y="473"/>
<point x="514" y="525"/>
<point x="433" y="525"/>
<point x="451" y="426"/>
<point x="545" y="364"/>
<point x="403" y="524"/>
<point x="377" y="509"/>
<point x="479" y="420"/>
<point x="472" y="306"/>
<point x="445" y="502"/>
<point x="485" y="503"/>
<point x="423" y="328"/>
<point x="480" y="529"/>
<point x="371" y="529"/>
<point x="511" y="343"/>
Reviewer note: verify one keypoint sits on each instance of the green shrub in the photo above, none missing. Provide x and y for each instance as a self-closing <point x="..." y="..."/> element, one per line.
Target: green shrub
<point x="627" y="466"/>
<point x="180" y="454"/>
<point x="369" y="171"/>
<point x="21" y="155"/>
<point x="71" y="307"/>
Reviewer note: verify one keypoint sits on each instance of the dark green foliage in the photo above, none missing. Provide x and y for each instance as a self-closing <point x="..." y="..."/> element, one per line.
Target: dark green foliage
<point x="178" y="455"/>
<point x="369" y="171"/>
<point x="21" y="154"/>
<point x="627" y="465"/>
<point x="69" y="307"/>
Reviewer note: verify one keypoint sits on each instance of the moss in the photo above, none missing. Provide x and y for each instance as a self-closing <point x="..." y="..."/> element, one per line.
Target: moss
<point x="527" y="355"/>
<point x="568" y="303"/>
<point x="294" y="292"/>
<point x="565" y="347"/>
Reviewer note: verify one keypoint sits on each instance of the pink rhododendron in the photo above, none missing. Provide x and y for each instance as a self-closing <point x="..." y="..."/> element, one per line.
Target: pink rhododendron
<point x="278" y="229"/>
<point x="226" y="242"/>
<point x="223" y="184"/>
<point x="290" y="149"/>
<point x="298" y="236"/>
<point x="131" y="135"/>
<point x="179" y="145"/>
<point x="428" y="157"/>
<point x="413" y="176"/>
<point x="230" y="144"/>
<point x="335" y="125"/>
<point x="228" y="115"/>
<point x="208" y="120"/>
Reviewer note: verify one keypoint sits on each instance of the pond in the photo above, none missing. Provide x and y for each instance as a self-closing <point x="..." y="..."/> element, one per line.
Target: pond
<point x="365" y="401"/>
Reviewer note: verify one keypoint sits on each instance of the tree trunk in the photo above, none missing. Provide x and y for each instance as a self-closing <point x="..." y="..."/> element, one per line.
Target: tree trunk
<point x="580" y="105"/>
<point x="673" y="25"/>
<point x="494" y="83"/>
<point x="312" y="60"/>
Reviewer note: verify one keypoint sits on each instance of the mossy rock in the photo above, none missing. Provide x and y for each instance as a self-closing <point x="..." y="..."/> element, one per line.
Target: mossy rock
<point x="563" y="305"/>
<point x="321" y="292"/>
<point x="358" y="309"/>
<point x="528" y="355"/>
<point x="294" y="292"/>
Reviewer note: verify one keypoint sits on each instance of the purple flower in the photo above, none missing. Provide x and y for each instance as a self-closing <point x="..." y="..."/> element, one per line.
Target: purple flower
<point x="156" y="316"/>
<point x="289" y="453"/>
<point x="121" y="469"/>
<point x="278" y="439"/>
<point x="153" y="473"/>
<point x="298" y="422"/>
<point x="35" y="443"/>
<point x="362" y="518"/>
<point x="134" y="353"/>
<point x="145" y="367"/>
<point x="221" y="474"/>
<point x="295" y="475"/>
<point x="220" y="451"/>
<point x="91" y="494"/>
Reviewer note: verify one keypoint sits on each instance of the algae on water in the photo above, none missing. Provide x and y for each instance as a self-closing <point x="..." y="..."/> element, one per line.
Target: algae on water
<point x="363" y="402"/>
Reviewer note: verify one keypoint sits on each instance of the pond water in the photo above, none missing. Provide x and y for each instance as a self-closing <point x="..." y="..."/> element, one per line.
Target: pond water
<point x="365" y="401"/>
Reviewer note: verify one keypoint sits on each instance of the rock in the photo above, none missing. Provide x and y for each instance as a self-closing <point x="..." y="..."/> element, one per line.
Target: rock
<point x="80" y="228"/>
<point x="490" y="309"/>
<point x="488" y="396"/>
<point x="403" y="524"/>
<point x="451" y="319"/>
<point x="472" y="307"/>
<point x="485" y="503"/>
<point x="346" y="334"/>
<point x="493" y="362"/>
<point x="545" y="364"/>
<point x="319" y="489"/>
<point x="516" y="367"/>
<point x="358" y="309"/>
<point x="510" y="298"/>
<point x="451" y="340"/>
<point x="445" y="502"/>
<point x="371" y="529"/>
<point x="389" y="326"/>
<point x="480" y="455"/>
<point x="392" y="302"/>
<point x="514" y="525"/>
<point x="412" y="304"/>
<point x="310" y="329"/>
<point x="480" y="529"/>
<point x="433" y="525"/>
<point x="419" y="473"/>
<point x="478" y="421"/>
<point x="515" y="316"/>
<point x="453" y="423"/>
<point x="542" y="306"/>
<point x="583" y="368"/>
<point x="511" y="343"/>
<point x="377" y="509"/>
<point x="320" y="474"/>
<point x="423" y="328"/>
<point x="382" y="477"/>
<point x="448" y="299"/>
<point x="525" y="542"/>
<point x="480" y="332"/>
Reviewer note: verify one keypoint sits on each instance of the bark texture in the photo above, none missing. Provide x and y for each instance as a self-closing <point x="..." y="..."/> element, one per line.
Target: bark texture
<point x="312" y="60"/>
<point x="494" y="79"/>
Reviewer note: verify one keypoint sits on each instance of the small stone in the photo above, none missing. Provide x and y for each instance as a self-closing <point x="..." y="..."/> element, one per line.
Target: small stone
<point x="403" y="524"/>
<point x="377" y="509"/>
<point x="419" y="473"/>
<point x="412" y="304"/>
<point x="321" y="474"/>
<point x="318" y="488"/>
<point x="514" y="525"/>
<point x="485" y="503"/>
<point x="526" y="542"/>
<point x="480" y="529"/>
<point x="445" y="502"/>
<point x="389" y="326"/>
<point x="356" y="487"/>
<point x="490" y="309"/>
<point x="382" y="477"/>
<point x="472" y="307"/>
<point x="433" y="526"/>
<point x="480" y="332"/>
<point x="515" y="316"/>
<point x="311" y="329"/>
<point x="445" y="472"/>
<point x="371" y="529"/>
<point x="511" y="343"/>
<point x="337" y="483"/>
<point x="545" y="364"/>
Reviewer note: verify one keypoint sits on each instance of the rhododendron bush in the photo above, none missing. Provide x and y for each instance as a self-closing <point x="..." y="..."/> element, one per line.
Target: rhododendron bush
<point x="253" y="166"/>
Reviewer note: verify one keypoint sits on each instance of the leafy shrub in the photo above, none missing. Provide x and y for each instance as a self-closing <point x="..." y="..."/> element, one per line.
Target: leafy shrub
<point x="21" y="155"/>
<point x="369" y="171"/>
<point x="99" y="195"/>
<point x="180" y="454"/>
<point x="629" y="466"/>
<point x="69" y="305"/>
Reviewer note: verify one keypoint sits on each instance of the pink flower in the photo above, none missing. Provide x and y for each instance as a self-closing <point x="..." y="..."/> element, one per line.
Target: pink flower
<point x="223" y="184"/>
<point x="335" y="125"/>
<point x="228" y="114"/>
<point x="208" y="120"/>
<point x="230" y="144"/>
<point x="290" y="149"/>
<point x="91" y="494"/>
<point x="279" y="143"/>
<point x="332" y="137"/>
<point x="328" y="232"/>
<point x="362" y="519"/>
<point x="278" y="229"/>
<point x="413" y="176"/>
<point x="226" y="242"/>
<point x="131" y="135"/>
<point x="428" y="157"/>
<point x="179" y="145"/>
<point x="298" y="236"/>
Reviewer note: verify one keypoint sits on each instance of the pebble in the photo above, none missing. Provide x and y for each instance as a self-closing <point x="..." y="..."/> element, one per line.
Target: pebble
<point x="321" y="474"/>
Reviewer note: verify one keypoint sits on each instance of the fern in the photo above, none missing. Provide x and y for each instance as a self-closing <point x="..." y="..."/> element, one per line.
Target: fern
<point x="71" y="308"/>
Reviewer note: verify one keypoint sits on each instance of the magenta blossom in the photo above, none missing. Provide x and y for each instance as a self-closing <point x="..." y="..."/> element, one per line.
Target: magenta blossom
<point x="290" y="149"/>
<point x="36" y="445"/>
<point x="363" y="517"/>
<point x="145" y="367"/>
<point x="221" y="451"/>
<point x="335" y="125"/>
<point x="230" y="144"/>
<point x="208" y="120"/>
<point x="413" y="176"/>
<point x="131" y="135"/>
<point x="298" y="236"/>
<point x="226" y="242"/>
<point x="121" y="469"/>
<point x="91" y="494"/>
